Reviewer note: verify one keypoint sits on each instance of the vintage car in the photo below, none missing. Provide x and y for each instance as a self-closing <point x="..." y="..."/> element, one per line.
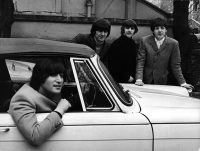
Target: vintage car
<point x="105" y="116"/>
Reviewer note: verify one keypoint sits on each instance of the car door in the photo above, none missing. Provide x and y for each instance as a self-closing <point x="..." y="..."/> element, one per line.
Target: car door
<point x="85" y="131"/>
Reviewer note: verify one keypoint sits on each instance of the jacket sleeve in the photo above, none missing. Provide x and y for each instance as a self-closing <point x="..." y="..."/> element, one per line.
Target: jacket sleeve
<point x="23" y="113"/>
<point x="140" y="60"/>
<point x="111" y="58"/>
<point x="133" y="69"/>
<point x="175" y="62"/>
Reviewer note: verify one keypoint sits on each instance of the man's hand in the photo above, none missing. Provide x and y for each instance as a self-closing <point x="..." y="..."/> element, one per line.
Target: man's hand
<point x="130" y="79"/>
<point x="63" y="106"/>
<point x="139" y="83"/>
<point x="189" y="87"/>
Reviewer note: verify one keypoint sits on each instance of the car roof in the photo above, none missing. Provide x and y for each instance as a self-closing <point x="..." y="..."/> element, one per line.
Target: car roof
<point x="34" y="45"/>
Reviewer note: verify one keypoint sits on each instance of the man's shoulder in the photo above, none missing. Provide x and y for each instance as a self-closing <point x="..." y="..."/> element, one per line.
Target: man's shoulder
<point x="113" y="40"/>
<point x="151" y="37"/>
<point x="82" y="36"/>
<point x="109" y="41"/>
<point x="24" y="96"/>
<point x="26" y="91"/>
<point x="81" y="39"/>
<point x="147" y="38"/>
<point x="171" y="40"/>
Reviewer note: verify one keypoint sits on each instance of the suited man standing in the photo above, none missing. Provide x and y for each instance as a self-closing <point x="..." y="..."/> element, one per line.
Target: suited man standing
<point x="158" y="53"/>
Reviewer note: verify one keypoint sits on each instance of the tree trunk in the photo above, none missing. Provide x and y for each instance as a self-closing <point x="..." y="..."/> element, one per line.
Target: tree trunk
<point x="6" y="17"/>
<point x="182" y="32"/>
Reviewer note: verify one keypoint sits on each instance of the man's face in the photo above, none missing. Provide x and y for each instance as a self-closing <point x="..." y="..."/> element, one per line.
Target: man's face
<point x="159" y="32"/>
<point x="129" y="31"/>
<point x="53" y="84"/>
<point x="100" y="36"/>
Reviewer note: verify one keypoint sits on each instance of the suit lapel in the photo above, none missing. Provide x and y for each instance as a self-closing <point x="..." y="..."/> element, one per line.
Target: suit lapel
<point x="153" y="44"/>
<point x="164" y="45"/>
<point x="91" y="43"/>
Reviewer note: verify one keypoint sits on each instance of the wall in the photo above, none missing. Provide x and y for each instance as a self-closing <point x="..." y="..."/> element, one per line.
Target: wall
<point x="65" y="31"/>
<point x="110" y="8"/>
<point x="74" y="8"/>
<point x="62" y="7"/>
<point x="45" y="30"/>
<point x="137" y="9"/>
<point x="54" y="31"/>
<point x="38" y="6"/>
<point x="63" y="19"/>
<point x="145" y="12"/>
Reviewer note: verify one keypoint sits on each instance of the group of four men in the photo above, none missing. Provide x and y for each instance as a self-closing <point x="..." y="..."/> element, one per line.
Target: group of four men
<point x="126" y="62"/>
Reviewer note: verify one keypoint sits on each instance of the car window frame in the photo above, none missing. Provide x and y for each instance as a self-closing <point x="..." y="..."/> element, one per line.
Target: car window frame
<point x="89" y="63"/>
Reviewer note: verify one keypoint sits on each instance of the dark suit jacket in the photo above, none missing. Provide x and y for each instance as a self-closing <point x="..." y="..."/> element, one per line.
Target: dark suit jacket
<point x="153" y="63"/>
<point x="122" y="59"/>
<point x="23" y="108"/>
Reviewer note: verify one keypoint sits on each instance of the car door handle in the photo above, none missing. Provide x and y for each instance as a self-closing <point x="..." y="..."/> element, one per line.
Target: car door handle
<point x="4" y="130"/>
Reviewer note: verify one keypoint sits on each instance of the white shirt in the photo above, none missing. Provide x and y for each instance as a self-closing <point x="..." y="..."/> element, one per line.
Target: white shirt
<point x="159" y="42"/>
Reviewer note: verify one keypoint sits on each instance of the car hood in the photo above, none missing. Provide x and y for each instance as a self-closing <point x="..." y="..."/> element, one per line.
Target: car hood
<point x="162" y="106"/>
<point x="161" y="89"/>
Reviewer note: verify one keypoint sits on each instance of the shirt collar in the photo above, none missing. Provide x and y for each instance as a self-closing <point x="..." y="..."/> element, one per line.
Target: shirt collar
<point x="159" y="41"/>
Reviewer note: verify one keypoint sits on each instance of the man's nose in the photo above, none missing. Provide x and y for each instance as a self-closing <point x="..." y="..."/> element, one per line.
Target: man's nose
<point x="59" y="78"/>
<point x="160" y="28"/>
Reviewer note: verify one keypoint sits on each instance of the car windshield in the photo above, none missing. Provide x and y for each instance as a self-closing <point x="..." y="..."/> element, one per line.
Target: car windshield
<point x="124" y="95"/>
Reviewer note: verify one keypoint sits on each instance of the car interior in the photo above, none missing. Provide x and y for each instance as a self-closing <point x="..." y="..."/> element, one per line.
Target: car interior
<point x="9" y="86"/>
<point x="6" y="87"/>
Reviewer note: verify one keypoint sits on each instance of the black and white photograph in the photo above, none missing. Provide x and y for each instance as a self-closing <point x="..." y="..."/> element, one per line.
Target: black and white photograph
<point x="100" y="75"/>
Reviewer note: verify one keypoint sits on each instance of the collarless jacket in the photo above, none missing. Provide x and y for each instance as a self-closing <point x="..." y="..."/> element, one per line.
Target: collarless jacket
<point x="153" y="63"/>
<point x="23" y="108"/>
<point x="122" y="59"/>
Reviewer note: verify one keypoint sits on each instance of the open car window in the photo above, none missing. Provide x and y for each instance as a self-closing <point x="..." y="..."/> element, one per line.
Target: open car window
<point x="17" y="70"/>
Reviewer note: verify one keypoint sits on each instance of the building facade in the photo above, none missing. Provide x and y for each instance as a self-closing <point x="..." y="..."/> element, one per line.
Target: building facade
<point x="63" y="19"/>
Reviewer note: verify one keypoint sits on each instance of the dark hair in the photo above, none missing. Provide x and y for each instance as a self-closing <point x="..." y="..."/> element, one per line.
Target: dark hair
<point x="158" y="22"/>
<point x="45" y="68"/>
<point x="129" y="23"/>
<point x="100" y="25"/>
